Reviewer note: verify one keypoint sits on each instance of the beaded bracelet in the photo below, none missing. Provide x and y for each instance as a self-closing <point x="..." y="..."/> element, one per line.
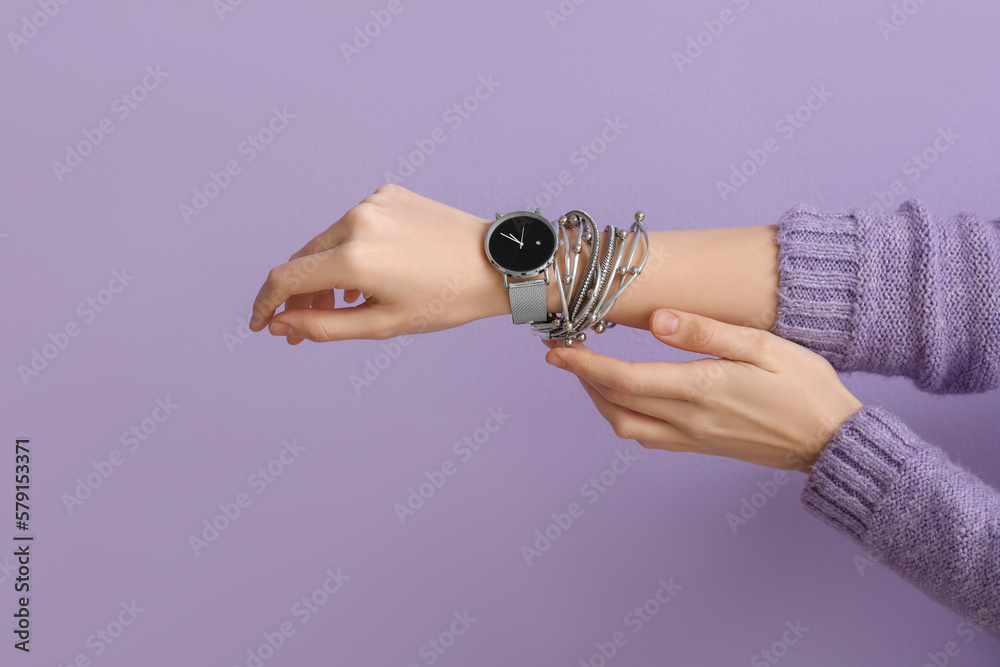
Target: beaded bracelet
<point x="590" y="303"/>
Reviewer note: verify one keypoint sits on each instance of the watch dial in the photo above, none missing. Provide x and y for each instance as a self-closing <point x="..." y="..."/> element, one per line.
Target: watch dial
<point x="523" y="243"/>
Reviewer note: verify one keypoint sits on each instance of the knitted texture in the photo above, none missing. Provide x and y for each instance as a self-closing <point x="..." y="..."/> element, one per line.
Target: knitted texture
<point x="902" y="293"/>
<point x="894" y="293"/>
<point x="933" y="522"/>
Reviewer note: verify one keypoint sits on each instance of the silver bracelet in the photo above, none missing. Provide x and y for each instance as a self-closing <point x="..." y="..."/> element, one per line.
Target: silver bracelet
<point x="587" y="307"/>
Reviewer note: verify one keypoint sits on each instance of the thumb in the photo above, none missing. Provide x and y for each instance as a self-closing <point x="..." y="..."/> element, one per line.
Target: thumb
<point x="695" y="333"/>
<point x="321" y="326"/>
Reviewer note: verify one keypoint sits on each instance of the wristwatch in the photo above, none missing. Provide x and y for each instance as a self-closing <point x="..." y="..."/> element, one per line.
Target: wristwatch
<point x="523" y="244"/>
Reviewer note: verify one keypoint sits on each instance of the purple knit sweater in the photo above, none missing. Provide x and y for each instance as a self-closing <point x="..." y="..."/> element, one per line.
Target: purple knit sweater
<point x="902" y="293"/>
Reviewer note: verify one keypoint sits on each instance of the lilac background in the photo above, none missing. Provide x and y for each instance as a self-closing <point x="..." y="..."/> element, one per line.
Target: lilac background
<point x="171" y="332"/>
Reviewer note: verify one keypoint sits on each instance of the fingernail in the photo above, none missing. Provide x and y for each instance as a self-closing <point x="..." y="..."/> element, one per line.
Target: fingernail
<point x="557" y="361"/>
<point x="280" y="329"/>
<point x="664" y="323"/>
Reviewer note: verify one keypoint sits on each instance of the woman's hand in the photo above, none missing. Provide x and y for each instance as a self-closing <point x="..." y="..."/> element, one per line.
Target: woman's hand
<point x="419" y="264"/>
<point x="766" y="400"/>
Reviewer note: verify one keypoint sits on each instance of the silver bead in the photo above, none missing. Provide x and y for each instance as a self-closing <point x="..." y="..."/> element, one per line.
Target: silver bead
<point x="568" y="342"/>
<point x="640" y="216"/>
<point x="599" y="327"/>
<point x="560" y="244"/>
<point x="568" y="327"/>
<point x="577" y="248"/>
<point x="563" y="220"/>
<point x="582" y="337"/>
<point x="621" y="270"/>
<point x="586" y="236"/>
<point x="567" y="279"/>
<point x="592" y="318"/>
<point x="633" y="270"/>
<point x="622" y="233"/>
<point x="557" y="322"/>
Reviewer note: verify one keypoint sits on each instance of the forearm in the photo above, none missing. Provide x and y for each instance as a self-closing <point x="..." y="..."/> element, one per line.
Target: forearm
<point x="931" y="520"/>
<point x="728" y="274"/>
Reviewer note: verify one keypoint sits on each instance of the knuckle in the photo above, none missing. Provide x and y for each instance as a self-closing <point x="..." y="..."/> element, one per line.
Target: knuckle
<point x="382" y="331"/>
<point x="359" y="216"/>
<point x="319" y="332"/>
<point x="388" y="189"/>
<point x="350" y="257"/>
<point x="702" y="333"/>
<point x="623" y="429"/>
<point x="698" y="425"/>
<point x="628" y="383"/>
<point x="278" y="276"/>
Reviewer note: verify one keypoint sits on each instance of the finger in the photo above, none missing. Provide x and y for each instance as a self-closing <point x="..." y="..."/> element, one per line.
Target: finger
<point x="295" y="302"/>
<point x="648" y="378"/>
<point x="324" y="300"/>
<point x="673" y="411"/>
<point x="630" y="425"/>
<point x="360" y="322"/>
<point x="329" y="238"/>
<point x="299" y="276"/>
<point x="695" y="333"/>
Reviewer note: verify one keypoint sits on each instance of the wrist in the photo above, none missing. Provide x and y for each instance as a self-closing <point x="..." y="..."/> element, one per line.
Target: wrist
<point x="491" y="298"/>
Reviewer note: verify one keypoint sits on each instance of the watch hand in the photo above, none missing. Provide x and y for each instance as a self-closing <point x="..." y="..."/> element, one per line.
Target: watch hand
<point x="512" y="238"/>
<point x="522" y="235"/>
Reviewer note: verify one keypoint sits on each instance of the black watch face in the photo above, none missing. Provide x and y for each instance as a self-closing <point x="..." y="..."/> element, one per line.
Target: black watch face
<point x="522" y="243"/>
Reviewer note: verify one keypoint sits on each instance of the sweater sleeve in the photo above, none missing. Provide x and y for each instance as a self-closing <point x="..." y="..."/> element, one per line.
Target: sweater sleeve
<point x="894" y="293"/>
<point x="933" y="522"/>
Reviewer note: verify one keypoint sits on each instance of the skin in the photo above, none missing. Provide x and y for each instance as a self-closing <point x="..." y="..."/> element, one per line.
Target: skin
<point x="420" y="266"/>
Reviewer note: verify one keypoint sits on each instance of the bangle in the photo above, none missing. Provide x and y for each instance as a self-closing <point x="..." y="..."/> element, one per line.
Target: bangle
<point x="587" y="306"/>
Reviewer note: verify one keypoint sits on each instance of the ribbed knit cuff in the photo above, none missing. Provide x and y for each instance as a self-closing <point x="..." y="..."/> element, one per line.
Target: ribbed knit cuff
<point x="819" y="266"/>
<point x="858" y="468"/>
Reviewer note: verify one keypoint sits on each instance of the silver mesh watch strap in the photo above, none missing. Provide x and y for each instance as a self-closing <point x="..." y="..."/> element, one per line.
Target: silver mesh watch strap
<point x="528" y="301"/>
